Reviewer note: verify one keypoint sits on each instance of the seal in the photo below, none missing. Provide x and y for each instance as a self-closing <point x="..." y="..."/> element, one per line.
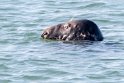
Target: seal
<point x="74" y="30"/>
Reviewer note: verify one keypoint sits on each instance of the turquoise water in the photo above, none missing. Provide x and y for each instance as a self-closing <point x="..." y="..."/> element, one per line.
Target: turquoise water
<point x="26" y="58"/>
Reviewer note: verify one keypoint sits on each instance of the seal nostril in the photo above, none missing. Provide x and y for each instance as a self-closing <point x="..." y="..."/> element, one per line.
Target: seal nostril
<point x="44" y="35"/>
<point x="64" y="37"/>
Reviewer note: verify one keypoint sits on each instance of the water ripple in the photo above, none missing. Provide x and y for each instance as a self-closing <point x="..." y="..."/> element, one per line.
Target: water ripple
<point x="25" y="57"/>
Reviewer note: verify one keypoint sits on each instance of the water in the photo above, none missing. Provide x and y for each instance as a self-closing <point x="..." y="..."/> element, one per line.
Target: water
<point x="26" y="58"/>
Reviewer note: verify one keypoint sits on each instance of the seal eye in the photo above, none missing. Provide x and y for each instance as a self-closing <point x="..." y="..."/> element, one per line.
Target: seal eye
<point x="66" y="26"/>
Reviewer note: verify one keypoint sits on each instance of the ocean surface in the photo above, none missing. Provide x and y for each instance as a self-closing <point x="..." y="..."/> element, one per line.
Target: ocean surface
<point x="27" y="58"/>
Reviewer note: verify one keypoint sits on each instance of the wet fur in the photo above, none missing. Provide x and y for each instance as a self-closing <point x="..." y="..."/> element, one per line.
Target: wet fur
<point x="74" y="30"/>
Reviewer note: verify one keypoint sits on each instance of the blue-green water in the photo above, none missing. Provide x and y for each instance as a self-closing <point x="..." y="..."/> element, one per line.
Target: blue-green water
<point x="26" y="58"/>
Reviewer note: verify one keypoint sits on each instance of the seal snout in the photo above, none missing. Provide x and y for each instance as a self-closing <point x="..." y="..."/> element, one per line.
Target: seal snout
<point x="44" y="34"/>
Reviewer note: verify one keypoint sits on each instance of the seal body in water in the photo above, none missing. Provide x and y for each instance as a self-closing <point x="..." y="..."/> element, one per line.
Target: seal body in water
<point x="74" y="30"/>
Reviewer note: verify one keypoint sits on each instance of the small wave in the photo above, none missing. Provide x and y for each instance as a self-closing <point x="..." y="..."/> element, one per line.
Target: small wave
<point x="33" y="77"/>
<point x="105" y="21"/>
<point x="44" y="62"/>
<point x="5" y="81"/>
<point x="113" y="43"/>
<point x="111" y="59"/>
<point x="96" y="76"/>
<point x="4" y="59"/>
<point x="55" y="72"/>
<point x="94" y="5"/>
<point x="3" y="67"/>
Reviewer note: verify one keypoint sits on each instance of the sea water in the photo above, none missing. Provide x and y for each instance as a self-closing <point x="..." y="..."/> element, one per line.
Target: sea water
<point x="27" y="58"/>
